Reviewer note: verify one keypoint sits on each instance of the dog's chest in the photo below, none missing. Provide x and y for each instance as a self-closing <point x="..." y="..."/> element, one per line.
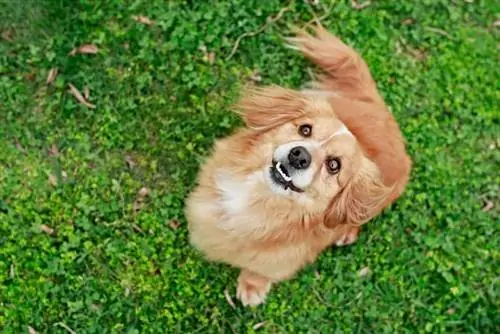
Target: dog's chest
<point x="235" y="194"/>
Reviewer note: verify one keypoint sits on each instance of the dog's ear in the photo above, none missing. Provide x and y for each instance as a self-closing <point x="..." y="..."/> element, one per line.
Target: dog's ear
<point x="361" y="199"/>
<point x="267" y="107"/>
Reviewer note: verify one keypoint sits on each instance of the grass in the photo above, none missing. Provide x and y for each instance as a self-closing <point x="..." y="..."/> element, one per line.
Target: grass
<point x="81" y="251"/>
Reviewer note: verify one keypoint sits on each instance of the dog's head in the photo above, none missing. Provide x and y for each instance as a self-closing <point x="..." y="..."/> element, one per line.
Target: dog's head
<point x="314" y="157"/>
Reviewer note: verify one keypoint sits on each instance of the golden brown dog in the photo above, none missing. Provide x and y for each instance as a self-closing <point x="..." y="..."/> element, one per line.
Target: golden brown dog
<point x="306" y="172"/>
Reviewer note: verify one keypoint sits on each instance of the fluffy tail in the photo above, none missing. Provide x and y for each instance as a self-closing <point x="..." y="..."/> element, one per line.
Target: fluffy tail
<point x="345" y="72"/>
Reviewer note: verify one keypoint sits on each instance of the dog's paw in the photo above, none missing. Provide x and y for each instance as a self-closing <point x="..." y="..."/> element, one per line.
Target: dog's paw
<point x="349" y="237"/>
<point x="252" y="288"/>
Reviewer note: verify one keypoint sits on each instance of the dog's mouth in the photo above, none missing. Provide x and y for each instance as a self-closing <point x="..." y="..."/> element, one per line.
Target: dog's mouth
<point x="281" y="176"/>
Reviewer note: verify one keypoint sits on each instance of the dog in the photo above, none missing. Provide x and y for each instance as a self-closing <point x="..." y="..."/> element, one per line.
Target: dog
<point x="305" y="172"/>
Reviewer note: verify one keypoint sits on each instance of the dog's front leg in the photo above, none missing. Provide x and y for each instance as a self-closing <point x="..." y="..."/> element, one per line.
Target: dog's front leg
<point x="252" y="288"/>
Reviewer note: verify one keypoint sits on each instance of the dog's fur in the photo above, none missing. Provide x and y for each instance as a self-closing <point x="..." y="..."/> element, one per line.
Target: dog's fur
<point x="238" y="215"/>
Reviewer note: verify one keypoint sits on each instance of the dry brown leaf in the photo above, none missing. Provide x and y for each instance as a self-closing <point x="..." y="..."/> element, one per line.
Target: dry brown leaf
<point x="439" y="31"/>
<point x="139" y="201"/>
<point x="46" y="229"/>
<point x="317" y="275"/>
<point x="364" y="272"/>
<point x="7" y="35"/>
<point x="137" y="206"/>
<point x="12" y="271"/>
<point x="19" y="146"/>
<point x="95" y="307"/>
<point x="31" y="330"/>
<point x="208" y="56"/>
<point x="79" y="97"/>
<point x="143" y="192"/>
<point x="53" y="151"/>
<point x="143" y="19"/>
<point x="255" y="76"/>
<point x="313" y="2"/>
<point x="52" y="180"/>
<point x="174" y="224"/>
<point x="418" y="54"/>
<point x="137" y="228"/>
<point x="85" y="49"/>
<point x="86" y="93"/>
<point x="360" y="6"/>
<point x="398" y="47"/>
<point x="130" y="161"/>
<point x="30" y="76"/>
<point x="229" y="299"/>
<point x="408" y="21"/>
<point x="211" y="57"/>
<point x="52" y="75"/>
<point x="259" y="325"/>
<point x="66" y="327"/>
<point x="488" y="205"/>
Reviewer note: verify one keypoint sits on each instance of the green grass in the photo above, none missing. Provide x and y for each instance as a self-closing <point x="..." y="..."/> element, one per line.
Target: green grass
<point x="112" y="266"/>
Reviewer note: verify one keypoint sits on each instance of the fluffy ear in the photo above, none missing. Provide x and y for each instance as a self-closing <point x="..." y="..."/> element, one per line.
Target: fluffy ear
<point x="361" y="199"/>
<point x="267" y="107"/>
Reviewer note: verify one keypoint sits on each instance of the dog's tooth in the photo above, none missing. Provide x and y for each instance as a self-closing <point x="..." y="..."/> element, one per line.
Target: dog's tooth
<point x="283" y="175"/>
<point x="278" y="167"/>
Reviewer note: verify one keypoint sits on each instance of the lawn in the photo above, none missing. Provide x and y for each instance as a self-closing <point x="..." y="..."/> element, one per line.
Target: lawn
<point x="92" y="233"/>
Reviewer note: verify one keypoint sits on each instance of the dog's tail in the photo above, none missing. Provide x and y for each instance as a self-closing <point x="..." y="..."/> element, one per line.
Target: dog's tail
<point x="345" y="72"/>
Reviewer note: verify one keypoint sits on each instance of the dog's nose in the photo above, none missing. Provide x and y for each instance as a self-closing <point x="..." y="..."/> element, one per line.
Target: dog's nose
<point x="299" y="157"/>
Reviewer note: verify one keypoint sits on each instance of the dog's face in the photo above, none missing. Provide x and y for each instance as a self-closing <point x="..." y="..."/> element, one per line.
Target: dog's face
<point x="312" y="154"/>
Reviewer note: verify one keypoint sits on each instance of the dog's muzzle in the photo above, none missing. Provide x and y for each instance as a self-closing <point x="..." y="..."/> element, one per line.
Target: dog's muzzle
<point x="291" y="166"/>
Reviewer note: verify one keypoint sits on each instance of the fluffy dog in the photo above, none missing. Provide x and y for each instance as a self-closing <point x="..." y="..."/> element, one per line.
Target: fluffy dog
<point x="308" y="169"/>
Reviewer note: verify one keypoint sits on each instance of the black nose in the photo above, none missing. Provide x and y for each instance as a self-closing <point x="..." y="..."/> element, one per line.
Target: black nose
<point x="299" y="158"/>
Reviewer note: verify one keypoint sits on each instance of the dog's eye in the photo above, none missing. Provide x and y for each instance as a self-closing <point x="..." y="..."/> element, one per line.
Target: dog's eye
<point x="333" y="165"/>
<point x="305" y="130"/>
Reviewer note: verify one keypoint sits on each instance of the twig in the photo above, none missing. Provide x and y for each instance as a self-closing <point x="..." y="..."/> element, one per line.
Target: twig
<point x="316" y="19"/>
<point x="269" y="20"/>
<point x="229" y="300"/>
<point x="79" y="97"/>
<point x="259" y="325"/>
<point x="63" y="325"/>
<point x="440" y="32"/>
<point x="360" y="6"/>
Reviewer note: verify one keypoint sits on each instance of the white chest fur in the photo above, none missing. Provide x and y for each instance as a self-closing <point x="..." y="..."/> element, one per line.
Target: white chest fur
<point x="234" y="193"/>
